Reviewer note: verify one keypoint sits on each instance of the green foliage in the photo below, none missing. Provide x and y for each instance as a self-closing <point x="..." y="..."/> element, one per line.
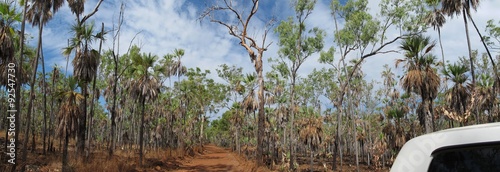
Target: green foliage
<point x="492" y="38"/>
<point x="9" y="14"/>
<point x="457" y="72"/>
<point x="360" y="28"/>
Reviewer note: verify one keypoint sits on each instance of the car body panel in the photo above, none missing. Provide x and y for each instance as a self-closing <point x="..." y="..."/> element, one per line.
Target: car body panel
<point x="416" y="154"/>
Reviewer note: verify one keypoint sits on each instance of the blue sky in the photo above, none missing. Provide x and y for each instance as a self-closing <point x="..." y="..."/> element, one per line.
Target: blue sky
<point x="169" y="24"/>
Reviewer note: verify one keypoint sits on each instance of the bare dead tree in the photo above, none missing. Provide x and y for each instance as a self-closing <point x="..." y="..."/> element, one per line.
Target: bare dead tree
<point x="239" y="29"/>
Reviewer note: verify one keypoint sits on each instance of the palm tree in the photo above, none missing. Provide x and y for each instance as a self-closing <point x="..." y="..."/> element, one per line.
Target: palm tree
<point x="7" y="39"/>
<point x="177" y="68"/>
<point x="485" y="88"/>
<point x="459" y="94"/>
<point x="143" y="86"/>
<point x="69" y="113"/>
<point x="86" y="59"/>
<point x="311" y="133"/>
<point x="85" y="65"/>
<point x="454" y="8"/>
<point x="39" y="13"/>
<point x="436" y="19"/>
<point x="420" y="78"/>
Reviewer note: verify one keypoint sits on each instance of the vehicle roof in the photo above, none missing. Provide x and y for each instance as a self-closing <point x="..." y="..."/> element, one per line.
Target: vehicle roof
<point x="416" y="154"/>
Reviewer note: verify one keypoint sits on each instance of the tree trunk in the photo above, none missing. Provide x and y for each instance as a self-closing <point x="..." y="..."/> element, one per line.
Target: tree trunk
<point x="338" y="146"/>
<point x="113" y="108"/>
<point x="292" y="120"/>
<point x="428" y="116"/>
<point x="441" y="46"/>
<point x="261" y="115"/>
<point x="311" y="157"/>
<point x="356" y="147"/>
<point x="92" y="111"/>
<point x="30" y="106"/>
<point x="33" y="133"/>
<point x="82" y="125"/>
<point x="471" y="58"/>
<point x="237" y="141"/>
<point x="44" y="87"/>
<point x="18" y="94"/>
<point x="65" y="165"/>
<point x="141" y="135"/>
<point x="201" y="130"/>
<point x="495" y="70"/>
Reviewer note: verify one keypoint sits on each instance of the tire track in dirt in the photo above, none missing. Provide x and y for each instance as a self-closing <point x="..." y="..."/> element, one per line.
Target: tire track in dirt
<point x="213" y="159"/>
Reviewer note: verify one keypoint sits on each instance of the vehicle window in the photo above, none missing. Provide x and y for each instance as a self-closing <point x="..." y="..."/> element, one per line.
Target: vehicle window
<point x="467" y="159"/>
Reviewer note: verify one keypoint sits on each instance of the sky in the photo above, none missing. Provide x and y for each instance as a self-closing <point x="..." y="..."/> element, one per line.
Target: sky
<point x="163" y="25"/>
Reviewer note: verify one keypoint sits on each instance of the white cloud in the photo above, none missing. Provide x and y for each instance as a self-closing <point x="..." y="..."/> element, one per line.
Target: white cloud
<point x="166" y="25"/>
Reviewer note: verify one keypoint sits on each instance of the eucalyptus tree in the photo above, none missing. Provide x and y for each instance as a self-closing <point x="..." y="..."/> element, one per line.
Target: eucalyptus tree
<point x="492" y="37"/>
<point x="239" y="29"/>
<point x="366" y="36"/>
<point x="295" y="47"/>
<point x="211" y="103"/>
<point x="204" y="96"/>
<point x="114" y="67"/>
<point x="143" y="86"/>
<point x="233" y="76"/>
<point x="39" y="14"/>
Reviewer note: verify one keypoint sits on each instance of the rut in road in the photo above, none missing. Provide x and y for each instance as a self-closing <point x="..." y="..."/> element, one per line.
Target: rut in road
<point x="213" y="159"/>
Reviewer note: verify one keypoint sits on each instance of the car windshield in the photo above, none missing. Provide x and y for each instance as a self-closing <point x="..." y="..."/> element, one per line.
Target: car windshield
<point x="467" y="158"/>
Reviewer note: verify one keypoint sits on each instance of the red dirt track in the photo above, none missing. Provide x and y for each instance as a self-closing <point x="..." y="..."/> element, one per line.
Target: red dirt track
<point x="213" y="159"/>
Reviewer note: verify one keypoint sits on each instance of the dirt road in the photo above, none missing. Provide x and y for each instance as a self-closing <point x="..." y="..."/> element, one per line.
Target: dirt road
<point x="213" y="159"/>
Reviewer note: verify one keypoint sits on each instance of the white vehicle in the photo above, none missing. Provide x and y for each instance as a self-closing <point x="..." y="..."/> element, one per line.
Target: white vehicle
<point x="471" y="148"/>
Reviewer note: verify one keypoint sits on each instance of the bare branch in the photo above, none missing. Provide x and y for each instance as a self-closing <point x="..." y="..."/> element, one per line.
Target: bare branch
<point x="92" y="13"/>
<point x="376" y="51"/>
<point x="130" y="45"/>
<point x="254" y="10"/>
<point x="390" y="51"/>
<point x="230" y="7"/>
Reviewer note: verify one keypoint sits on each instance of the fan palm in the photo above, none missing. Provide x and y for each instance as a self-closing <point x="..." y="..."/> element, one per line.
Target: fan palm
<point x="311" y="133"/>
<point x="8" y="37"/>
<point x="420" y="78"/>
<point x="485" y="88"/>
<point x="435" y="18"/>
<point x="76" y="6"/>
<point x="69" y="112"/>
<point x="85" y="66"/>
<point x="143" y="86"/>
<point x="458" y="95"/>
